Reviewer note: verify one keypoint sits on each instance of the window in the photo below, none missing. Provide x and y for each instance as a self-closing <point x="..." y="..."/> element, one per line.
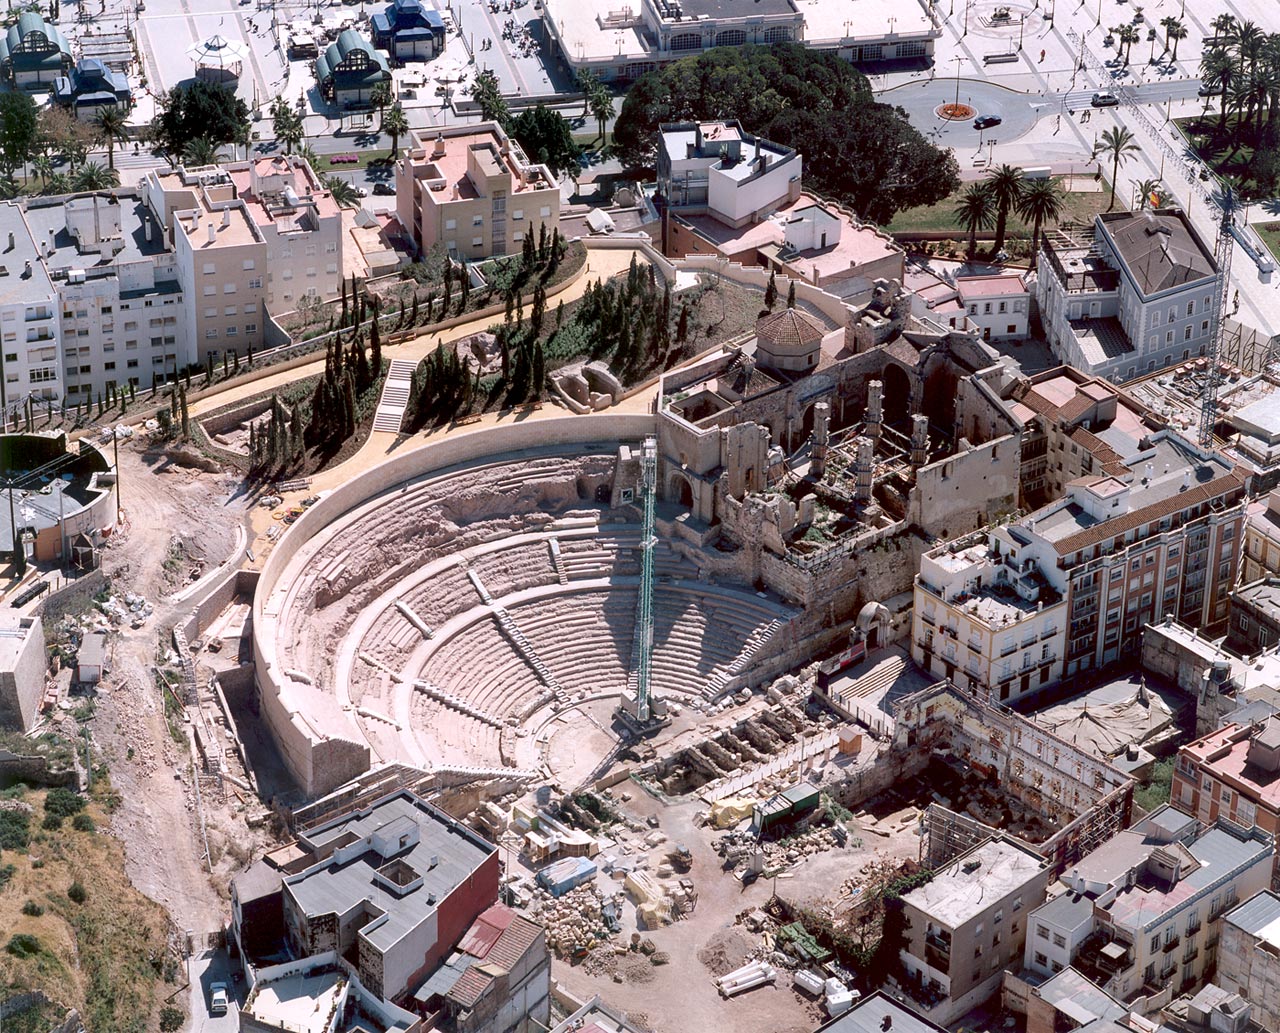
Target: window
<point x="546" y="212"/>
<point x="477" y="220"/>
<point x="1017" y="904"/>
<point x="209" y="291"/>
<point x="108" y="366"/>
<point x="331" y="248"/>
<point x="1186" y="335"/>
<point x="255" y="284"/>
<point x="517" y="214"/>
<point x="1204" y="326"/>
<point x="230" y="310"/>
<point x="311" y="251"/>
<point x="228" y="288"/>
<point x="211" y="333"/>
<point x="986" y="307"/>
<point x="311" y="272"/>
<point x="1191" y="308"/>
<point x="1168" y="339"/>
<point x="131" y="364"/>
<point x="210" y="313"/>
<point x="1042" y="931"/>
<point x="1041" y="960"/>
<point x="251" y="328"/>
<point x="451" y="224"/>
<point x="999" y="917"/>
<point x="477" y="241"/>
<point x="1003" y="307"/>
<point x="210" y="268"/>
<point x="247" y="264"/>
<point x="517" y="237"/>
<point x="231" y="331"/>
<point x="1059" y="940"/>
<point x="1155" y="943"/>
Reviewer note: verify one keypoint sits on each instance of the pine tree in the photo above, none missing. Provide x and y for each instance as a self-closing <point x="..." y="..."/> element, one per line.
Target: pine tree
<point x="542" y="244"/>
<point x="375" y="346"/>
<point x="505" y="344"/>
<point x="465" y="296"/>
<point x="539" y="369"/>
<point x="557" y="249"/>
<point x="235" y="362"/>
<point x="188" y="378"/>
<point x="186" y="420"/>
<point x="559" y="314"/>
<point x="250" y="356"/>
<point x="528" y="256"/>
<point x="348" y="404"/>
<point x="133" y="391"/>
<point x="771" y="292"/>
<point x="344" y="302"/>
<point x="208" y="371"/>
<point x="791" y="295"/>
<point x="539" y="309"/>
<point x="682" y="327"/>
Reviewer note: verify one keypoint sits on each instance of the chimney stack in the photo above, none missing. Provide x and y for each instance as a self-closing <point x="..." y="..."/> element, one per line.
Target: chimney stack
<point x="11" y="241"/>
<point x="213" y="233"/>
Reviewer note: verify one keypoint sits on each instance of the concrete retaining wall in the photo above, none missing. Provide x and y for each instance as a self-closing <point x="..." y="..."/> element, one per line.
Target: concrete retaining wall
<point x="317" y="761"/>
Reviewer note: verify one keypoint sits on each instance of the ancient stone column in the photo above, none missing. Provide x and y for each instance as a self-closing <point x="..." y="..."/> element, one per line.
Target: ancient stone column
<point x="863" y="467"/>
<point x="820" y="439"/>
<point x="875" y="409"/>
<point x="919" y="439"/>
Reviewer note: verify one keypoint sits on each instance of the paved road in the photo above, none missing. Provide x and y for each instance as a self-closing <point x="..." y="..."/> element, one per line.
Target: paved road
<point x="203" y="969"/>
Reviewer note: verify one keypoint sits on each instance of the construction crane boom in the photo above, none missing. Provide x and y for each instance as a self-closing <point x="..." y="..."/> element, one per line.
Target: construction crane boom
<point x="1223" y="248"/>
<point x="644" y="615"/>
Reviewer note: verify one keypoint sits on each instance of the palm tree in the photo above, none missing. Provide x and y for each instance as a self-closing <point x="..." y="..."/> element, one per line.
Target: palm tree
<point x="93" y="176"/>
<point x="395" y="125"/>
<point x="1041" y="201"/>
<point x="975" y="211"/>
<point x="1150" y="194"/>
<point x="1173" y="30"/>
<point x="308" y="154"/>
<point x="1005" y="186"/>
<point x="380" y="97"/>
<point x="601" y="106"/>
<point x="342" y="190"/>
<point x="1217" y="72"/>
<point x="586" y="82"/>
<point x="59" y="183"/>
<point x="1224" y="27"/>
<point x="291" y="134"/>
<point x="1128" y="36"/>
<point x="42" y="166"/>
<point x="111" y="130"/>
<point x="1120" y="146"/>
<point x="201" y="151"/>
<point x="243" y="138"/>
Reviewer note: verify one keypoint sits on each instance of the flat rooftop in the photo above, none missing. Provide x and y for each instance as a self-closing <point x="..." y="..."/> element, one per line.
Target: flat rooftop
<point x="976" y="880"/>
<point x="16" y="286"/>
<point x="734" y="9"/>
<point x="877" y="1013"/>
<point x="1230" y="762"/>
<point x="300" y="1004"/>
<point x="444" y="857"/>
<point x="13" y="636"/>
<point x="828" y="22"/>
<point x="48" y="222"/>
<point x="1259" y="916"/>
<point x="232" y="228"/>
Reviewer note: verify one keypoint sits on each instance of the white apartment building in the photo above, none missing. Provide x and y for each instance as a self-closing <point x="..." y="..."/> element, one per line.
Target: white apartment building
<point x="301" y="225"/>
<point x="986" y="619"/>
<point x="1141" y="915"/>
<point x="119" y="301"/>
<point x="719" y="168"/>
<point x="998" y="305"/>
<point x="1135" y="297"/>
<point x="28" y="317"/>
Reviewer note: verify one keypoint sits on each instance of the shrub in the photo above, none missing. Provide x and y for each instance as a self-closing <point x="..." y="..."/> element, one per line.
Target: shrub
<point x="15" y="830"/>
<point x="23" y="945"/>
<point x="171" y="1019"/>
<point x="51" y="822"/>
<point x="63" y="802"/>
<point x="32" y="909"/>
<point x="77" y="893"/>
<point x="83" y="823"/>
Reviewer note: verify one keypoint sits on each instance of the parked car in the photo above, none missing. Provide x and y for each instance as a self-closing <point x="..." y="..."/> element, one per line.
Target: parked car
<point x="1208" y="91"/>
<point x="986" y="121"/>
<point x="1105" y="100"/>
<point x="383" y="189"/>
<point x="361" y="192"/>
<point x="218" y="1001"/>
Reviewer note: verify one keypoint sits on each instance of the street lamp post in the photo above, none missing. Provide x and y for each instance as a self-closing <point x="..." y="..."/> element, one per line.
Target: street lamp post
<point x="958" y="60"/>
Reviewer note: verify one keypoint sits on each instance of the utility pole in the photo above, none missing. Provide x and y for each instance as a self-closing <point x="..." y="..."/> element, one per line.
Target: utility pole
<point x="115" y="448"/>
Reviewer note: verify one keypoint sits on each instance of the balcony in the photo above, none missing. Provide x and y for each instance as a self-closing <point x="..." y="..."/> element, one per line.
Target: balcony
<point x="1171" y="944"/>
<point x="939" y="943"/>
<point x="1192" y="952"/>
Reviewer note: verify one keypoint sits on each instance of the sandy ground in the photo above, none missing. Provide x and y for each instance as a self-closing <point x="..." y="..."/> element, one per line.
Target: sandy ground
<point x="162" y="502"/>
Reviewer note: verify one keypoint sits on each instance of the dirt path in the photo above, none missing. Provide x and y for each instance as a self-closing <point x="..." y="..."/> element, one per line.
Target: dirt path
<point x="170" y="511"/>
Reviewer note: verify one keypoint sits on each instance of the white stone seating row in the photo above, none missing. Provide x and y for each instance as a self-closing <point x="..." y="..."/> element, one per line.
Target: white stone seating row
<point x="586" y="639"/>
<point x="510" y="570"/>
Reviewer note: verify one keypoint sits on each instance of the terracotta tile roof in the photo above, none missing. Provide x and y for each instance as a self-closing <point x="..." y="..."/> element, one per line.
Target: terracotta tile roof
<point x="1039" y="404"/>
<point x="1099" y="533"/>
<point x="791" y="327"/>
<point x="469" y="987"/>
<point x="1111" y="460"/>
<point x="498" y="938"/>
<point x="1075" y="410"/>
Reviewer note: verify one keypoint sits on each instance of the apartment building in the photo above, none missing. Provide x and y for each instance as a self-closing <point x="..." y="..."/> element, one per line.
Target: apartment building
<point x="1249" y="958"/>
<point x="1141" y="522"/>
<point x="986" y="620"/>
<point x="967" y="923"/>
<point x="120" y="298"/>
<point x="396" y="885"/>
<point x="473" y="191"/>
<point x="1140" y="916"/>
<point x="998" y="305"/>
<point x="1255" y="617"/>
<point x="301" y="225"/>
<point x="220" y="255"/>
<point x="1134" y="296"/>
<point x="1232" y="773"/>
<point x="720" y="168"/>
<point x="1261" y="553"/>
<point x="29" y="345"/>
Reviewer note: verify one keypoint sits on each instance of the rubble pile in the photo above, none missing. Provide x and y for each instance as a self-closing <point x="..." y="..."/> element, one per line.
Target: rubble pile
<point x="577" y="921"/>
<point x="797" y="848"/>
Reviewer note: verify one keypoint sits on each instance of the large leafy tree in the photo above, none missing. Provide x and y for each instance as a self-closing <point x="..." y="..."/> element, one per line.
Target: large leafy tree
<point x="199" y="109"/>
<point x="856" y="151"/>
<point x="18" y="130"/>
<point x="545" y="137"/>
